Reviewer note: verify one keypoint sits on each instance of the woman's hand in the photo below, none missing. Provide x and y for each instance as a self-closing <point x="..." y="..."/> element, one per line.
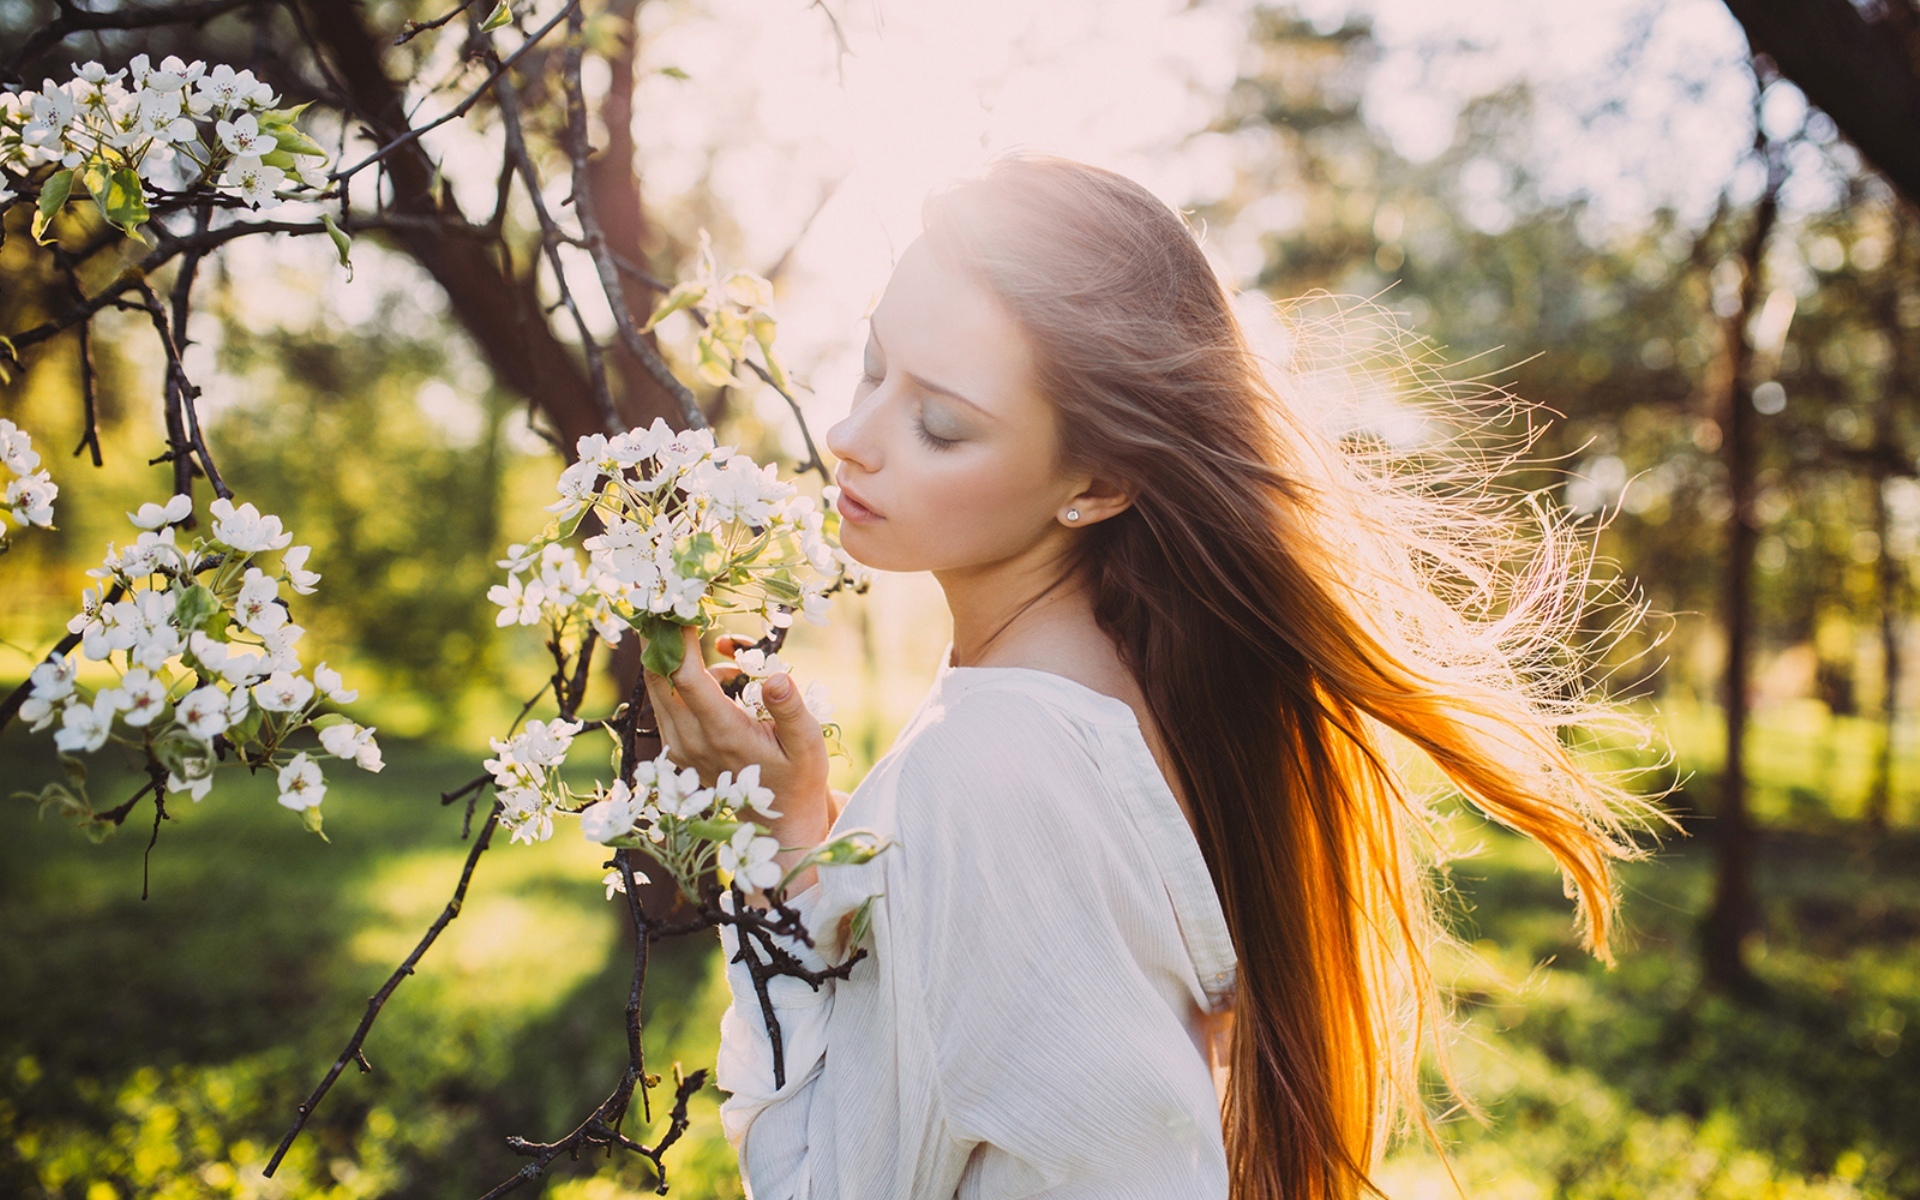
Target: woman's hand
<point x="705" y="730"/>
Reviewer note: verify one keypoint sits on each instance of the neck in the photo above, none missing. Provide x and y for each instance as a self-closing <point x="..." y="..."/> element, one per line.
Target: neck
<point x="1023" y="611"/>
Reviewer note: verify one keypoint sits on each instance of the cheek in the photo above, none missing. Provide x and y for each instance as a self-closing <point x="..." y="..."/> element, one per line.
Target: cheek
<point x="957" y="508"/>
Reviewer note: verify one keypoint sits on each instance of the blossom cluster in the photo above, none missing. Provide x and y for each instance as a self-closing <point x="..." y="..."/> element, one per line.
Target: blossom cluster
<point x="688" y="828"/>
<point x="731" y="309"/>
<point x="205" y="656"/>
<point x="690" y="531"/>
<point x="116" y="134"/>
<point x="30" y="491"/>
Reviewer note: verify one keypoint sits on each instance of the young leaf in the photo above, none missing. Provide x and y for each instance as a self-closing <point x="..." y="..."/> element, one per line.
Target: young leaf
<point x="123" y="200"/>
<point x="290" y="139"/>
<point x="683" y="295"/>
<point x="193" y="606"/>
<point x="341" y="242"/>
<point x="665" y="652"/>
<point x="501" y="14"/>
<point x="53" y="194"/>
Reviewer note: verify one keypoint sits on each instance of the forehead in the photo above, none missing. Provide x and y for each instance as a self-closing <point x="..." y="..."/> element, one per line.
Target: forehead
<point x="941" y="326"/>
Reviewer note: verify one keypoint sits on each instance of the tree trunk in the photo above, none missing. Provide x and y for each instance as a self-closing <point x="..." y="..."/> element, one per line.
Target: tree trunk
<point x="1864" y="73"/>
<point x="1733" y="917"/>
<point x="501" y="312"/>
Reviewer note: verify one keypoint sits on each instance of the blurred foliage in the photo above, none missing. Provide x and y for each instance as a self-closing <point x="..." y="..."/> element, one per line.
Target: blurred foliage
<point x="1619" y="331"/>
<point x="159" y="1049"/>
<point x="403" y="511"/>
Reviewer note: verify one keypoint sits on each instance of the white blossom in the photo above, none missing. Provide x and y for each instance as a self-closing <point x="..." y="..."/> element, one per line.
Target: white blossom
<point x="519" y="605"/>
<point x="352" y="742"/>
<point x="153" y="551"/>
<point x="330" y="683"/>
<point x="141" y="696"/>
<point x="301" y="784"/>
<point x="257" y="607"/>
<point x="198" y="786"/>
<point x="16" y="449"/>
<point x="745" y="791"/>
<point x="518" y="558"/>
<point x="281" y="655"/>
<point x="52" y="682"/>
<point x="611" y="818"/>
<point x="283" y="691"/>
<point x="153" y="516"/>
<point x="31" y="498"/>
<point x="749" y="858"/>
<point x="294" y="563"/>
<point x="203" y="712"/>
<point x="238" y="667"/>
<point x="245" y="529"/>
<point x="85" y="726"/>
<point x="243" y="138"/>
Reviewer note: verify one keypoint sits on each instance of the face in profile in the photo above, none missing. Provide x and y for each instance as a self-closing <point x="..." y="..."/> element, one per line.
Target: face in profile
<point x="948" y="457"/>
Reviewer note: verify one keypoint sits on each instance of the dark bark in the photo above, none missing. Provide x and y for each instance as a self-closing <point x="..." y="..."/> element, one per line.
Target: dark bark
<point x="500" y="312"/>
<point x="1733" y="917"/>
<point x="1863" y="73"/>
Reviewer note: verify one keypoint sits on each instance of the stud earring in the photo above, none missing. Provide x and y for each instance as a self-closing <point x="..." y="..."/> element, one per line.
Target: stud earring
<point x="1073" y="514"/>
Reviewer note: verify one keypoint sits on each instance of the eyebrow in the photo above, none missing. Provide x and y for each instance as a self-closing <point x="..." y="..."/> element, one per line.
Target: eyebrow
<point x="928" y="385"/>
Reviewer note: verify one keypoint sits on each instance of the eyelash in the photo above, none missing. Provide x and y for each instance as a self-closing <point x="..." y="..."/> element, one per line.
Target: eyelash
<point x="919" y="426"/>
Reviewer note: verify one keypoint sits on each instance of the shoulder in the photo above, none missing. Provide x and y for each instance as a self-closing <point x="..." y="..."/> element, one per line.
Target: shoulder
<point x="999" y="724"/>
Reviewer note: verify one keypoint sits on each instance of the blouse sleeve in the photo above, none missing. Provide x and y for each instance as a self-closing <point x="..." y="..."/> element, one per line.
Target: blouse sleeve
<point x="1040" y="936"/>
<point x="777" y="1115"/>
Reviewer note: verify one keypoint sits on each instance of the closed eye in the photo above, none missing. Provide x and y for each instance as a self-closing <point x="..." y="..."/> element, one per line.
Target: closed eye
<point x="932" y="441"/>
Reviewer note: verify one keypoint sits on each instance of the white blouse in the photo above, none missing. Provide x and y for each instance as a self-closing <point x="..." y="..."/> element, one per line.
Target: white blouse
<point x="1029" y="1019"/>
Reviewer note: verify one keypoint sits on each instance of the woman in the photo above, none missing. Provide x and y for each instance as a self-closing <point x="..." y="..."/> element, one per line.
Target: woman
<point x="1157" y="922"/>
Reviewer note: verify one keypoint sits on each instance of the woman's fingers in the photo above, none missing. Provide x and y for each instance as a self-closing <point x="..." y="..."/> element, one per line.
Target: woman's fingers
<point x="726" y="645"/>
<point x="696" y="687"/>
<point x="796" y="728"/>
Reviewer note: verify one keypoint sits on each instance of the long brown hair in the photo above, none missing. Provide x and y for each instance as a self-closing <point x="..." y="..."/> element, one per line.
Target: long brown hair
<point x="1293" y="604"/>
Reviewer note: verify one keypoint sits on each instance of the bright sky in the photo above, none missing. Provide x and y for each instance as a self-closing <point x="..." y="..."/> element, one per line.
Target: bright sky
<point x="932" y="88"/>
<point x="772" y="117"/>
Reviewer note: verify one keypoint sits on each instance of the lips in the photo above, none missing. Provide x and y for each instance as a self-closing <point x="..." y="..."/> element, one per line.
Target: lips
<point x="855" y="509"/>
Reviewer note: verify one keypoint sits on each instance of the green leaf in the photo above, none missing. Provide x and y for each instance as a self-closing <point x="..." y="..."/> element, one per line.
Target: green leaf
<point x="762" y="325"/>
<point x="248" y="728"/>
<point x="665" y="651"/>
<point x="714" y="830"/>
<point x="53" y="194"/>
<point x="683" y="295"/>
<point x="58" y="797"/>
<point x="76" y="770"/>
<point x="861" y="923"/>
<point x="674" y="73"/>
<point x="291" y="140"/>
<point x="310" y="817"/>
<point x="342" y="242"/>
<point x="283" y="116"/>
<point x="699" y="558"/>
<point x="714" y="367"/>
<point x="501" y="14"/>
<point x="193" y="605"/>
<point x="329" y="720"/>
<point x="121" y="196"/>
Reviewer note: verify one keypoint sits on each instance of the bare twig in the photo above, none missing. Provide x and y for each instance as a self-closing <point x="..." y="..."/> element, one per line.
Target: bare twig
<point x="500" y="67"/>
<point x="353" y="1051"/>
<point x="551" y="239"/>
<point x="595" y="238"/>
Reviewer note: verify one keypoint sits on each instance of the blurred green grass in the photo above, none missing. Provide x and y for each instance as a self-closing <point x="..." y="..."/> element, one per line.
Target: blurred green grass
<point x="158" y="1048"/>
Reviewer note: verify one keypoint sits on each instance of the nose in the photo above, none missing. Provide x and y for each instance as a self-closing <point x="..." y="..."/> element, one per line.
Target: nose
<point x="850" y="439"/>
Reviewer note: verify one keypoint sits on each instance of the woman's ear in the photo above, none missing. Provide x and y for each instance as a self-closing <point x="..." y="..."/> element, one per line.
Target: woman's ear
<point x="1095" y="501"/>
